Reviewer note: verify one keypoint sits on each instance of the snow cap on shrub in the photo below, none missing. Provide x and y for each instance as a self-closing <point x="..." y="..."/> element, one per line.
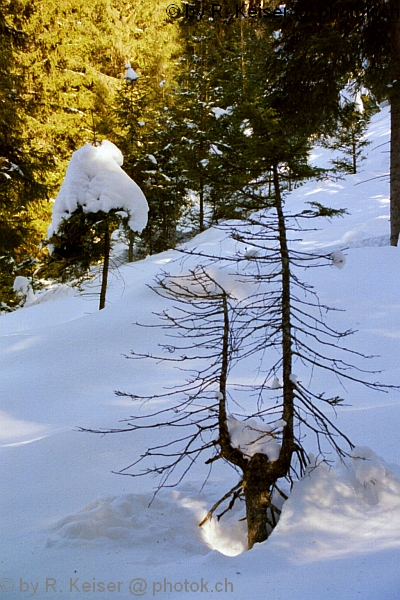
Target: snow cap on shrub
<point x="95" y="181"/>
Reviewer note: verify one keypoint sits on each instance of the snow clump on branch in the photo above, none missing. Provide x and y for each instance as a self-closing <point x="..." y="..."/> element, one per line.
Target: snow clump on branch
<point x="338" y="259"/>
<point x="252" y="436"/>
<point x="23" y="287"/>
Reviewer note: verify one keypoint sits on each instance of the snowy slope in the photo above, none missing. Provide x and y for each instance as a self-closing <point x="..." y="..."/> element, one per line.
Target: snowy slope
<point x="67" y="519"/>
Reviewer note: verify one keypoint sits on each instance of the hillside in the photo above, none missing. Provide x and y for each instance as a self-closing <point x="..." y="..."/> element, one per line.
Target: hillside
<point x="67" y="519"/>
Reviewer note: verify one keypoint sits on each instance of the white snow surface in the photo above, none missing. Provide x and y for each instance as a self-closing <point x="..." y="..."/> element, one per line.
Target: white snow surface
<point x="368" y="469"/>
<point x="71" y="528"/>
<point x="95" y="181"/>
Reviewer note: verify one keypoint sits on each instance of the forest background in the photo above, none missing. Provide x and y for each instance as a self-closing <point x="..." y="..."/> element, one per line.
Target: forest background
<point x="220" y="102"/>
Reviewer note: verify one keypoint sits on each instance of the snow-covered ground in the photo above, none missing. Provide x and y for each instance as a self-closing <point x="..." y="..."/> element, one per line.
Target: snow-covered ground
<point x="70" y="528"/>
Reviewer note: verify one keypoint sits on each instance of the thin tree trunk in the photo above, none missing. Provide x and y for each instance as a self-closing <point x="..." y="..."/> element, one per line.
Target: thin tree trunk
<point x="395" y="129"/>
<point x="201" y="198"/>
<point x="354" y="153"/>
<point x="288" y="392"/>
<point x="231" y="454"/>
<point x="130" y="247"/>
<point x="260" y="474"/>
<point x="203" y="99"/>
<point x="150" y="230"/>
<point x="107" y="244"/>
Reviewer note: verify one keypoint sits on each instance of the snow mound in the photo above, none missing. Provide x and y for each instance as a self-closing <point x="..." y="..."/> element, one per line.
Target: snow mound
<point x="57" y="292"/>
<point x="21" y="284"/>
<point x="130" y="74"/>
<point x="131" y="521"/>
<point x="330" y="513"/>
<point x="227" y="536"/>
<point x="369" y="472"/>
<point x="95" y="181"/>
<point x="171" y="521"/>
<point x="220" y="112"/>
<point x="14" y="432"/>
<point x="275" y="384"/>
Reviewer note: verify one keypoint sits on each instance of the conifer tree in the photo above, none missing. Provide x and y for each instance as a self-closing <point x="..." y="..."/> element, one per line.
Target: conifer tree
<point x="349" y="137"/>
<point x="148" y="136"/>
<point x="24" y="163"/>
<point x="250" y="133"/>
<point x="96" y="197"/>
<point x="61" y="65"/>
<point x="322" y="47"/>
<point x="194" y="96"/>
<point x="229" y="97"/>
<point x="250" y="308"/>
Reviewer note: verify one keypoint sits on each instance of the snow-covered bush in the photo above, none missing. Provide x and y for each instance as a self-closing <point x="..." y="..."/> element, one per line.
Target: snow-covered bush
<point x="96" y="182"/>
<point x="96" y="197"/>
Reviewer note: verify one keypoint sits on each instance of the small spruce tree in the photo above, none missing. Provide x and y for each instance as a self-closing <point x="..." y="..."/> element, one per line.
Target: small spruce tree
<point x="251" y="308"/>
<point x="96" y="197"/>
